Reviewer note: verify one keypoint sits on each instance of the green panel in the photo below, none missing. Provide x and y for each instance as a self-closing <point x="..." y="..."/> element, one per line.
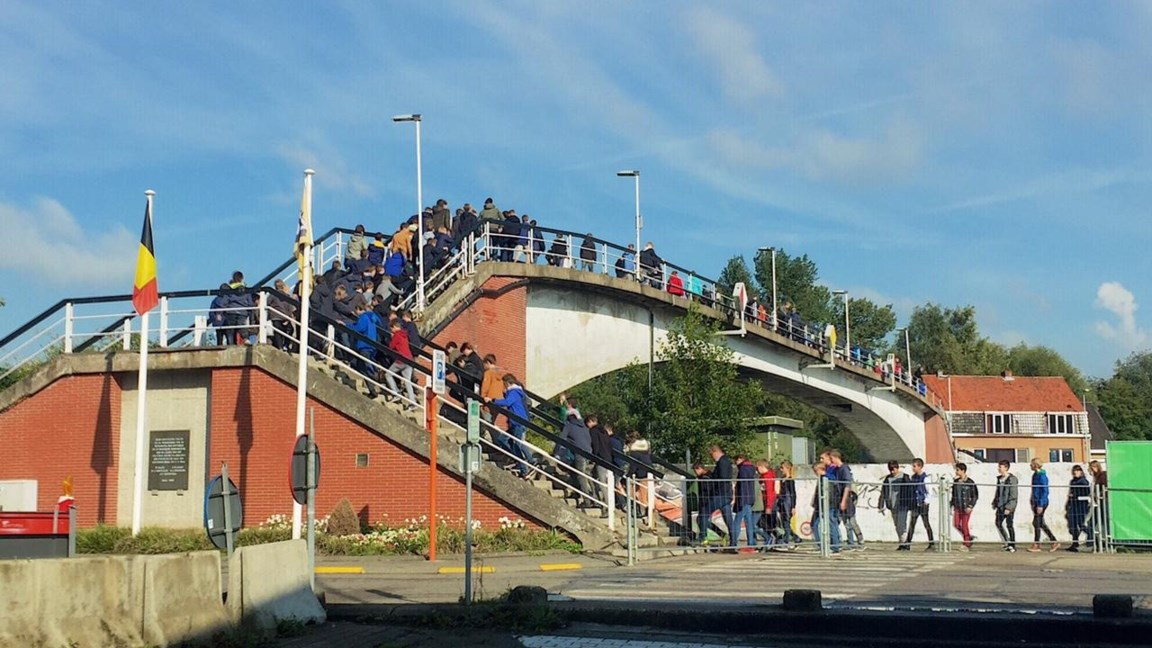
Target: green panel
<point x="1130" y="489"/>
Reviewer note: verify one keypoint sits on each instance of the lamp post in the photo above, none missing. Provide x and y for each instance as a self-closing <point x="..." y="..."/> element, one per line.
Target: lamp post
<point x="419" y="212"/>
<point x="635" y="174"/>
<point x="907" y="348"/>
<point x="847" y="324"/>
<point x="775" y="312"/>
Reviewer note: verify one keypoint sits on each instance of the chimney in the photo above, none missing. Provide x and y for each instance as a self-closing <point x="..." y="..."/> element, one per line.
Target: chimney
<point x="1007" y="375"/>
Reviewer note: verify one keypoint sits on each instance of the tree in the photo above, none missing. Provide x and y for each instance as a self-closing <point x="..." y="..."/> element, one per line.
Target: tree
<point x="796" y="284"/>
<point x="947" y="340"/>
<point x="734" y="272"/>
<point x="1027" y="360"/>
<point x="697" y="396"/>
<point x="1125" y="399"/>
<point x="870" y="323"/>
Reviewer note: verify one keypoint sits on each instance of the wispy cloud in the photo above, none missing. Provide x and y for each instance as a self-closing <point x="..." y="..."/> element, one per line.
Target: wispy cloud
<point x="45" y="242"/>
<point x="1065" y="182"/>
<point x="1113" y="297"/>
<point x="328" y="163"/>
<point x="730" y="49"/>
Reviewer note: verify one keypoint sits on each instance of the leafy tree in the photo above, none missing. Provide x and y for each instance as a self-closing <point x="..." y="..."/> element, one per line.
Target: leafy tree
<point x="1125" y="399"/>
<point x="948" y="340"/>
<point x="870" y="323"/>
<point x="735" y="271"/>
<point x="1027" y="360"/>
<point x="697" y="396"/>
<point x="796" y="279"/>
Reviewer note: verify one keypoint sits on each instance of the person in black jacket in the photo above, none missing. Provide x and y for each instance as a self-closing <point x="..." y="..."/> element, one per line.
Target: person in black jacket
<point x="719" y="498"/>
<point x="602" y="449"/>
<point x="964" y="496"/>
<point x="588" y="253"/>
<point x="896" y="497"/>
<point x="473" y="368"/>
<point x="652" y="266"/>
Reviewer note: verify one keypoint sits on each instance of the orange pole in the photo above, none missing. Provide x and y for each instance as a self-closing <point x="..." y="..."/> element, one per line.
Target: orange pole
<point x="430" y="424"/>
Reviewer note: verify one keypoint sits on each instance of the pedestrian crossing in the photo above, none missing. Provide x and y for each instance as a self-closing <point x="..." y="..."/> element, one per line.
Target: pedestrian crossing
<point x="763" y="578"/>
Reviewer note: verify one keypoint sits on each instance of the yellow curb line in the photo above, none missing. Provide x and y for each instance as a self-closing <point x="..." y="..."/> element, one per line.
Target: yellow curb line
<point x="560" y="566"/>
<point x="460" y="570"/>
<point x="339" y="570"/>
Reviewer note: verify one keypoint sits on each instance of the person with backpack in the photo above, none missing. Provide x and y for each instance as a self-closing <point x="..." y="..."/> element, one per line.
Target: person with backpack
<point x="516" y="402"/>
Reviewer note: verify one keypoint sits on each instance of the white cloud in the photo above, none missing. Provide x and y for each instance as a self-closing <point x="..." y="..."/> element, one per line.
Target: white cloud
<point x="330" y="167"/>
<point x="46" y="243"/>
<point x="1113" y="297"/>
<point x="730" y="47"/>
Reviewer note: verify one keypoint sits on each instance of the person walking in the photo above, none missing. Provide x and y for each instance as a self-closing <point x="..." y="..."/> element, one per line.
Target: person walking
<point x="786" y="505"/>
<point x="964" y="496"/>
<point x="1004" y="503"/>
<point x="920" y="503"/>
<point x="516" y="402"/>
<point x="748" y="485"/>
<point x="1077" y="507"/>
<point x="718" y="487"/>
<point x="896" y="498"/>
<point x="1039" y="504"/>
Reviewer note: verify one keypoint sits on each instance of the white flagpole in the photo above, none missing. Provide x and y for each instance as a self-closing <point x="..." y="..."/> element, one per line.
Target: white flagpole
<point x="141" y="415"/>
<point x="302" y="371"/>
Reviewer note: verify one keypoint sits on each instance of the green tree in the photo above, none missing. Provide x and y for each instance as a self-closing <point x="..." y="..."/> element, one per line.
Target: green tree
<point x="1027" y="360"/>
<point x="870" y="323"/>
<point x="735" y="271"/>
<point x="1125" y="399"/>
<point x="947" y="340"/>
<point x="697" y="396"/>
<point x="796" y="279"/>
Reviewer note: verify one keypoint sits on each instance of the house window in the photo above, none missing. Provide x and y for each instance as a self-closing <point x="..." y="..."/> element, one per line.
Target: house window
<point x="1023" y="455"/>
<point x="362" y="460"/>
<point x="997" y="424"/>
<point x="979" y="454"/>
<point x="1060" y="454"/>
<point x="1061" y="424"/>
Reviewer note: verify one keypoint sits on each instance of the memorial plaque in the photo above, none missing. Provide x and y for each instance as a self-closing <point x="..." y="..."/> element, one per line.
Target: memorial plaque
<point x="168" y="460"/>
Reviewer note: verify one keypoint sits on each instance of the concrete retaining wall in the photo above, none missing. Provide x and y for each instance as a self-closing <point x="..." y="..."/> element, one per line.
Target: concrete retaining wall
<point x="111" y="600"/>
<point x="270" y="582"/>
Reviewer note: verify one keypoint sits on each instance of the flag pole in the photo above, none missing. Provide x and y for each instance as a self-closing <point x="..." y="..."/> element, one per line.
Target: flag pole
<point x="141" y="411"/>
<point x="305" y="292"/>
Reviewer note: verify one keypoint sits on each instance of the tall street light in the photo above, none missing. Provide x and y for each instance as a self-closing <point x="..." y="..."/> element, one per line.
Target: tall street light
<point x="847" y="324"/>
<point x="635" y="173"/>
<point x="419" y="212"/>
<point x="907" y="347"/>
<point x="775" y="312"/>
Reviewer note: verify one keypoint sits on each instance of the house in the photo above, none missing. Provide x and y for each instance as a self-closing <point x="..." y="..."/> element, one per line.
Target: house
<point x="1101" y="433"/>
<point x="1013" y="417"/>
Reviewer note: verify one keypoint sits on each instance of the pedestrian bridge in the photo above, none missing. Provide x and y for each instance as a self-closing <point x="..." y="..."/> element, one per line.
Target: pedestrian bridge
<point x="558" y="327"/>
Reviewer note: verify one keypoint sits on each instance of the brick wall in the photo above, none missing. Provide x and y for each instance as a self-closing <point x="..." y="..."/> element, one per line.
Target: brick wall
<point x="253" y="429"/>
<point x="72" y="428"/>
<point x="69" y="429"/>
<point x="494" y="325"/>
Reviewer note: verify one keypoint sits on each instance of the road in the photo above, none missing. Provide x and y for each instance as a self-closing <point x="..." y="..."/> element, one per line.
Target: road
<point x="876" y="578"/>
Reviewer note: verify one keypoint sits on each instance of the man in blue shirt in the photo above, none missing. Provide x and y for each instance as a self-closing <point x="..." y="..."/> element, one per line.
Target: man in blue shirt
<point x="919" y="503"/>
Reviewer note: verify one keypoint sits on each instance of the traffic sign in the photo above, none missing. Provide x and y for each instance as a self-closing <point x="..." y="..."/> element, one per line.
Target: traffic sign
<point x="473" y="420"/>
<point x="439" y="372"/>
<point x="298" y="469"/>
<point x="740" y="293"/>
<point x="219" y="511"/>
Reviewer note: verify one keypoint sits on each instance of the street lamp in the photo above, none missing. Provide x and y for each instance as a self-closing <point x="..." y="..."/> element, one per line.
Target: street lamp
<point x="635" y="173"/>
<point x="847" y="324"/>
<point x="419" y="212"/>
<point x="907" y="347"/>
<point x="775" y="312"/>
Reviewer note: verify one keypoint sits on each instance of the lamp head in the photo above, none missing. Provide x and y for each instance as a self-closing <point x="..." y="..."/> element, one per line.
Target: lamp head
<point x="407" y="118"/>
<point x="628" y="173"/>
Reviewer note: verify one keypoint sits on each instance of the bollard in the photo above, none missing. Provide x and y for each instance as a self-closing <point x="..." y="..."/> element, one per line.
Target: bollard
<point x="1112" y="606"/>
<point x="800" y="600"/>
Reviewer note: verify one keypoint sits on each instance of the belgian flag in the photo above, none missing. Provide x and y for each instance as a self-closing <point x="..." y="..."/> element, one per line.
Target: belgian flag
<point x="145" y="294"/>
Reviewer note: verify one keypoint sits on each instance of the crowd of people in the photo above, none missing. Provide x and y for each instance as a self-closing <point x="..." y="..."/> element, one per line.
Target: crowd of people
<point x="760" y="502"/>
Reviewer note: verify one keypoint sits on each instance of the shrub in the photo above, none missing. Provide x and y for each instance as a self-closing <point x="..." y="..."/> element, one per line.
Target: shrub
<point x="343" y="521"/>
<point x="153" y="540"/>
<point x="100" y="539"/>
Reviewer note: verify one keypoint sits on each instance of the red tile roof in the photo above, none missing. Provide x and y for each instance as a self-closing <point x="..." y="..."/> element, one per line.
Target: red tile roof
<point x="997" y="394"/>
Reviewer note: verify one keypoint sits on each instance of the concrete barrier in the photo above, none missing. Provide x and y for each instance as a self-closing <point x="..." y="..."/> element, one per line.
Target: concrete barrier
<point x="182" y="601"/>
<point x="270" y="582"/>
<point x="111" y="600"/>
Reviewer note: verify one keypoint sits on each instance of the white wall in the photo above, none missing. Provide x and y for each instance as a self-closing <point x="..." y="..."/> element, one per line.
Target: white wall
<point x="875" y="526"/>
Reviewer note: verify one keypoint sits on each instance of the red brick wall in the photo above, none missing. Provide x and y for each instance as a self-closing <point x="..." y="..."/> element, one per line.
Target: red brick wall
<point x="69" y="429"/>
<point x="253" y="429"/>
<point x="494" y="325"/>
<point x="937" y="445"/>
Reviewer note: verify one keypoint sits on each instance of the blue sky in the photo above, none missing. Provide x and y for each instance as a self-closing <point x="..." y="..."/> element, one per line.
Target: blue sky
<point x="962" y="153"/>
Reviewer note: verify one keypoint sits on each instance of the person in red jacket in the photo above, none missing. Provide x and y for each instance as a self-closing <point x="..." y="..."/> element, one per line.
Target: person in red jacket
<point x="675" y="285"/>
<point x="766" y="526"/>
<point x="401" y="349"/>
